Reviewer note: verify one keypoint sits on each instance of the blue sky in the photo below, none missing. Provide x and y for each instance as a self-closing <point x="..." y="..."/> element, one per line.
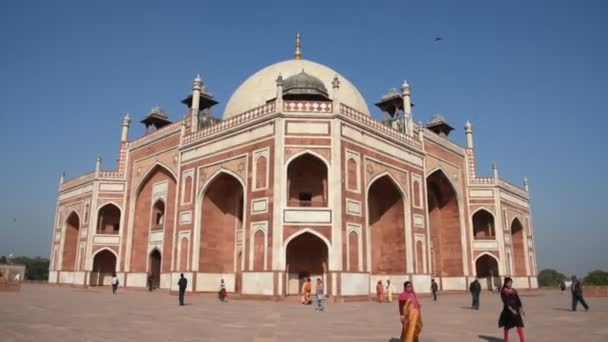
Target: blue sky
<point x="530" y="75"/>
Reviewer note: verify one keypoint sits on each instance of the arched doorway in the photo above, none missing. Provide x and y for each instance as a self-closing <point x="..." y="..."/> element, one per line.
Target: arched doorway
<point x="387" y="227"/>
<point x="307" y="182"/>
<point x="70" y="242"/>
<point x="306" y="256"/>
<point x="221" y="220"/>
<point x="108" y="219"/>
<point x="155" y="262"/>
<point x="483" y="225"/>
<point x="486" y="268"/>
<point x="104" y="265"/>
<point x="444" y="220"/>
<point x="517" y="243"/>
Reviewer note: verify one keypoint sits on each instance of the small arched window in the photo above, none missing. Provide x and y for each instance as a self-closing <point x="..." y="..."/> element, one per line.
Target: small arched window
<point x="158" y="215"/>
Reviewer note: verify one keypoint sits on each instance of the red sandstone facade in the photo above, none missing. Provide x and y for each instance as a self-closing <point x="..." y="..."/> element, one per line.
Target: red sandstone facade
<point x="288" y="189"/>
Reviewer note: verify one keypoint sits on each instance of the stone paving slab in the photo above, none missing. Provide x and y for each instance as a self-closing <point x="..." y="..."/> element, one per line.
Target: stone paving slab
<point x="49" y="313"/>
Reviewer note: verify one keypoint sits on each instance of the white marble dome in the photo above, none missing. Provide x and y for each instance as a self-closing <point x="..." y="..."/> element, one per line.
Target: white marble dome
<point x="261" y="86"/>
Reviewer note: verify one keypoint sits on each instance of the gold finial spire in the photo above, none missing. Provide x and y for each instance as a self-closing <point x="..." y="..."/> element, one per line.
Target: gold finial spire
<point x="298" y="54"/>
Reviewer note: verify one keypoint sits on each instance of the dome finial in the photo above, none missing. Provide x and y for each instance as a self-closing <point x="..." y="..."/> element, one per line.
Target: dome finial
<point x="298" y="53"/>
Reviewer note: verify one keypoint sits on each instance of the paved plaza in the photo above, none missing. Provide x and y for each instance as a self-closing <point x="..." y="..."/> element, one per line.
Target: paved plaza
<point x="48" y="313"/>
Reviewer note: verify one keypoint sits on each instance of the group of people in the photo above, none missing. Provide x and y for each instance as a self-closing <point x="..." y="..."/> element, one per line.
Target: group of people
<point x="319" y="294"/>
<point x="510" y="317"/>
<point x="381" y="290"/>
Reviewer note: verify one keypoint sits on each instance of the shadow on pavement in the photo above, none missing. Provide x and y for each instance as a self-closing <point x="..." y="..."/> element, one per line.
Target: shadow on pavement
<point x="561" y="309"/>
<point x="490" y="338"/>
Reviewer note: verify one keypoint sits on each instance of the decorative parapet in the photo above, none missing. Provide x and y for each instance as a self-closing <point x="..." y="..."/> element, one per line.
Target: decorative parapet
<point x="308" y="106"/>
<point x="482" y="180"/>
<point x="78" y="181"/>
<point x="110" y="174"/>
<point x="234" y="121"/>
<point x="378" y="127"/>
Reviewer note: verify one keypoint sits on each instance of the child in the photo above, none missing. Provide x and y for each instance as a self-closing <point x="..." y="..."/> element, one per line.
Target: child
<point x="319" y="295"/>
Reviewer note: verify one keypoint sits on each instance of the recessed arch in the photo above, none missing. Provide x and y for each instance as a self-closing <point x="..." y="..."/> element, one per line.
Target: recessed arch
<point x="307" y="176"/>
<point x="518" y="238"/>
<point x="221" y="209"/>
<point x="216" y="174"/>
<point x="71" y="238"/>
<point x="307" y="255"/>
<point x="487" y="267"/>
<point x="387" y="228"/>
<point x="104" y="266"/>
<point x="159" y="181"/>
<point x="154" y="267"/>
<point x="158" y="165"/>
<point x="109" y="217"/>
<point x="447" y="251"/>
<point x="307" y="151"/>
<point x="484" y="224"/>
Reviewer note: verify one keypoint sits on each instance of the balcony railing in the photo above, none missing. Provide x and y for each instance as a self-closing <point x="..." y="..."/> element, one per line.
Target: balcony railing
<point x="295" y="203"/>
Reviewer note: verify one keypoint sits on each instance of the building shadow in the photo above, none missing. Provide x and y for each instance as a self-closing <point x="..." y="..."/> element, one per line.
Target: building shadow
<point x="490" y="338"/>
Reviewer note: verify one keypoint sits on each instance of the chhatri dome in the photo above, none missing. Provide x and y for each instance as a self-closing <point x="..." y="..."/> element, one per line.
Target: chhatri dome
<point x="300" y="76"/>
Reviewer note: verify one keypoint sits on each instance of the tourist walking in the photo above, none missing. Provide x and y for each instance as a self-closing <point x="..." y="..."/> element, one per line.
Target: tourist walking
<point x="512" y="311"/>
<point x="577" y="294"/>
<point x="222" y="294"/>
<point x="182" y="283"/>
<point x="475" y="289"/>
<point x="319" y="295"/>
<point x="306" y="291"/>
<point x="434" y="289"/>
<point x="562" y="286"/>
<point x="409" y="313"/>
<point x="379" y="291"/>
<point x="114" y="283"/>
<point x="389" y="291"/>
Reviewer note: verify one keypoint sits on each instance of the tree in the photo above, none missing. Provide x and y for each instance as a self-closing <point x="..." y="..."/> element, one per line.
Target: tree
<point x="597" y="277"/>
<point x="3" y="260"/>
<point x="550" y="277"/>
<point x="35" y="268"/>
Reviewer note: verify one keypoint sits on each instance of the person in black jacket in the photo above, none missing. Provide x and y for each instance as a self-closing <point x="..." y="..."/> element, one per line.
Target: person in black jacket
<point x="512" y="311"/>
<point x="434" y="288"/>
<point x="182" y="283"/>
<point x="577" y="294"/>
<point x="475" y="289"/>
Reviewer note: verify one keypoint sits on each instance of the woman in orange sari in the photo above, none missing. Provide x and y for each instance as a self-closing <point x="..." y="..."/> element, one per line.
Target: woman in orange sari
<point x="409" y="310"/>
<point x="380" y="291"/>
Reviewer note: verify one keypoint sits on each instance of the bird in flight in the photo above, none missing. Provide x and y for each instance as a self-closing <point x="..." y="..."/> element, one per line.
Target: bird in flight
<point x="438" y="39"/>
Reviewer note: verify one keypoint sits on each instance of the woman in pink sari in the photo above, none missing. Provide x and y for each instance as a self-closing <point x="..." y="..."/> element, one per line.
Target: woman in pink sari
<point x="409" y="310"/>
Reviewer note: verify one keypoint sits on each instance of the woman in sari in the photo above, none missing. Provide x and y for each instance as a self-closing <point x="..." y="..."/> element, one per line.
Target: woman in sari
<point x="306" y="290"/>
<point x="512" y="311"/>
<point x="409" y="311"/>
<point x="380" y="291"/>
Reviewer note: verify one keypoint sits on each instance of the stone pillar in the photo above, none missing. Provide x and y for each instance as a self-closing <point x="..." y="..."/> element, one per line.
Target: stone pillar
<point x="197" y="85"/>
<point x="407" y="108"/>
<point x="495" y="169"/>
<point x="279" y="97"/>
<point x="126" y="121"/>
<point x="336" y="95"/>
<point x="98" y="165"/>
<point x="526" y="184"/>
<point x="468" y="131"/>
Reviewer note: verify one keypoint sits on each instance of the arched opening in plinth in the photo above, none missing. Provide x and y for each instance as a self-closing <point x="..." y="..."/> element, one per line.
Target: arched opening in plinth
<point x="108" y="219"/>
<point x="486" y="269"/>
<point x="306" y="256"/>
<point x="307" y="182"/>
<point x="444" y="221"/>
<point x="385" y="205"/>
<point x="517" y="244"/>
<point x="221" y="219"/>
<point x="154" y="268"/>
<point x="104" y="265"/>
<point x="483" y="225"/>
<point x="70" y="242"/>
